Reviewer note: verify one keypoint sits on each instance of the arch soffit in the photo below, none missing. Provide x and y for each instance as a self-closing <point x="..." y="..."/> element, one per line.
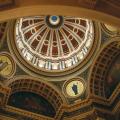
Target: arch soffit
<point x="32" y="10"/>
<point x="26" y="77"/>
<point x="112" y="40"/>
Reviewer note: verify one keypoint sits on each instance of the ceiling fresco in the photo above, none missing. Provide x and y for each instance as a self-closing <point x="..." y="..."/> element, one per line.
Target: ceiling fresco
<point x="31" y="102"/>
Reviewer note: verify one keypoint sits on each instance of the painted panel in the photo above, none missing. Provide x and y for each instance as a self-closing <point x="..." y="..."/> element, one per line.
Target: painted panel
<point x="113" y="77"/>
<point x="31" y="102"/>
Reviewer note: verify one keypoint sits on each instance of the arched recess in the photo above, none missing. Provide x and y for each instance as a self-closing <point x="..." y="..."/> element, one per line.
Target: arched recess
<point x="34" y="85"/>
<point x="101" y="67"/>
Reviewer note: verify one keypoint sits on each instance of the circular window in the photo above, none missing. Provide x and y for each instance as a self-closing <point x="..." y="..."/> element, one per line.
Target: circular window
<point x="53" y="45"/>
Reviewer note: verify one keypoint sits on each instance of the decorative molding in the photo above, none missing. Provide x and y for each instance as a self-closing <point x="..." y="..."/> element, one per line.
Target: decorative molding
<point x="26" y="113"/>
<point x="91" y="101"/>
<point x="38" y="86"/>
<point x="4" y="94"/>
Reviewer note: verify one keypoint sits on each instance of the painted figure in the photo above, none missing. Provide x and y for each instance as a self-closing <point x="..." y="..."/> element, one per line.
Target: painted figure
<point x="75" y="89"/>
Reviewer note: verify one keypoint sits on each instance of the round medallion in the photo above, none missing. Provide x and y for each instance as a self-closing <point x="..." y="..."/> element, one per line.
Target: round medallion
<point x="74" y="88"/>
<point x="7" y="65"/>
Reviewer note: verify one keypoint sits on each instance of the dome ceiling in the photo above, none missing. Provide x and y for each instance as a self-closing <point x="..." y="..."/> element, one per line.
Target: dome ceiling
<point x="54" y="43"/>
<point x="59" y="67"/>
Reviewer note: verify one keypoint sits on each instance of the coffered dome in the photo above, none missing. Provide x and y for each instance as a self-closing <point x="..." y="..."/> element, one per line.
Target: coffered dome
<point x="54" y="43"/>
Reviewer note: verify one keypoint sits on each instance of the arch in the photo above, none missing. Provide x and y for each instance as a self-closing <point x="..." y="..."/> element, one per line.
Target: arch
<point x="30" y="84"/>
<point x="101" y="66"/>
<point x="95" y="10"/>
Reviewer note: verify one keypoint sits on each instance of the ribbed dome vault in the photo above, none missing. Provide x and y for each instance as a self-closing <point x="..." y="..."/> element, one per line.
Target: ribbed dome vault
<point x="54" y="42"/>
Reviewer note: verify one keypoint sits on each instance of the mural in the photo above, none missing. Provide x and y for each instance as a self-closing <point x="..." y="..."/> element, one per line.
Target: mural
<point x="31" y="102"/>
<point x="113" y="77"/>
